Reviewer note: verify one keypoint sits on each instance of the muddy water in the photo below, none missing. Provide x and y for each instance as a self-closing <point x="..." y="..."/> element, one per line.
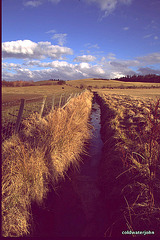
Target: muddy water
<point x="77" y="208"/>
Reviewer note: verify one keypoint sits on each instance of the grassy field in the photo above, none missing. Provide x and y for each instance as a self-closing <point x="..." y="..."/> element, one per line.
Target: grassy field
<point x="16" y="93"/>
<point x="130" y="169"/>
<point x="109" y="83"/>
<point x="139" y="93"/>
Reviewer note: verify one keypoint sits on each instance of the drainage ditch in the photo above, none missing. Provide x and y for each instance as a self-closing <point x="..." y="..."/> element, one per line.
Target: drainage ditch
<point x="77" y="207"/>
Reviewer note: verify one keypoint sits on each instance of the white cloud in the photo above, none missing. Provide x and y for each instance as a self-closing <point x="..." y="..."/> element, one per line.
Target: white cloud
<point x="84" y="65"/>
<point x="117" y="68"/>
<point x="51" y="31"/>
<point x="105" y="5"/>
<point x="33" y="3"/>
<point x="27" y="49"/>
<point x="60" y="37"/>
<point x="85" y="58"/>
<point x="36" y="3"/>
<point x="111" y="56"/>
<point x="89" y="45"/>
<point x="147" y="70"/>
<point x="108" y="6"/>
<point x="32" y="63"/>
<point x="156" y="37"/>
<point x="117" y="75"/>
<point x="126" y="1"/>
<point x="148" y="36"/>
<point x="126" y="28"/>
<point x="54" y="1"/>
<point x="152" y="58"/>
<point x="94" y="46"/>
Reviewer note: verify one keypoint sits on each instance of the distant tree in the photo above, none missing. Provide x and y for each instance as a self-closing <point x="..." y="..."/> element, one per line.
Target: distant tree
<point x="61" y="82"/>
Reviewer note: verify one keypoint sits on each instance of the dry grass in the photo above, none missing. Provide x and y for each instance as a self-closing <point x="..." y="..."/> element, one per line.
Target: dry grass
<point x="134" y="126"/>
<point x="100" y="83"/>
<point x="39" y="156"/>
<point x="24" y="176"/>
<point x="13" y="93"/>
<point x="151" y="93"/>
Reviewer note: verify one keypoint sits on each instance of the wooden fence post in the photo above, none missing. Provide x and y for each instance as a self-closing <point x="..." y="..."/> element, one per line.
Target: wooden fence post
<point x="53" y="102"/>
<point x="69" y="97"/>
<point x="60" y="100"/>
<point x="42" y="107"/>
<point x="68" y="100"/>
<point x="19" y="116"/>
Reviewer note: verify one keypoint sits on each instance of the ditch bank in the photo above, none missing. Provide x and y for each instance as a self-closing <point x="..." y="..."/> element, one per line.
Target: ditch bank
<point x="129" y="188"/>
<point x="76" y="208"/>
<point x="38" y="157"/>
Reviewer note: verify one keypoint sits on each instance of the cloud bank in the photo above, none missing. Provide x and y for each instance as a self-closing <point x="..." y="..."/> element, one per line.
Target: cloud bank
<point x="106" y="68"/>
<point x="56" y="69"/>
<point x="27" y="49"/>
<point x="42" y="61"/>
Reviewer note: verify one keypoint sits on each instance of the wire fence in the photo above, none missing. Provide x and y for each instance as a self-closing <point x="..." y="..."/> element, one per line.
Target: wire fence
<point x="14" y="112"/>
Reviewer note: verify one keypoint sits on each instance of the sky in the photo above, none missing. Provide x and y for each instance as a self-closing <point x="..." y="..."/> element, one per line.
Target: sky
<point x="76" y="39"/>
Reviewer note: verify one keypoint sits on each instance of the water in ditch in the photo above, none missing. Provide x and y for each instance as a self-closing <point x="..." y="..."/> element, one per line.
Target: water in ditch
<point x="77" y="208"/>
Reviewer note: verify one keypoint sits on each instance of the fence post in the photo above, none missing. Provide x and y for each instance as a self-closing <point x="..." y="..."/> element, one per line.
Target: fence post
<point x="69" y="97"/>
<point x="53" y="102"/>
<point x="60" y="100"/>
<point x="68" y="100"/>
<point x="19" y="116"/>
<point x="42" y="107"/>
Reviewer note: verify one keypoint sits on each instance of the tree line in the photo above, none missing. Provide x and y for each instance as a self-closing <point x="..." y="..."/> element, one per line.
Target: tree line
<point x="150" y="78"/>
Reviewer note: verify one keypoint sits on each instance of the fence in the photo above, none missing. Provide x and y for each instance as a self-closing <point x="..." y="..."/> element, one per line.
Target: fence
<point x="14" y="112"/>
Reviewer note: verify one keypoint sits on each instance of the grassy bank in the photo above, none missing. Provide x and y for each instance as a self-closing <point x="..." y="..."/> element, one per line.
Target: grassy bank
<point x="130" y="168"/>
<point x="40" y="156"/>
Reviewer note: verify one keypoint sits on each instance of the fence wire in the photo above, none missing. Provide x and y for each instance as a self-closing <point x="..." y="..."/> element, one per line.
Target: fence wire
<point x="10" y="111"/>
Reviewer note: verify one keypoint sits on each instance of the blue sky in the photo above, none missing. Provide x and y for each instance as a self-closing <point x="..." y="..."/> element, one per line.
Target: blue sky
<point x="75" y="39"/>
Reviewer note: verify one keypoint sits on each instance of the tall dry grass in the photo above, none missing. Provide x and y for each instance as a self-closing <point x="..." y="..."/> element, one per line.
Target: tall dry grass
<point x="130" y="168"/>
<point x="40" y="156"/>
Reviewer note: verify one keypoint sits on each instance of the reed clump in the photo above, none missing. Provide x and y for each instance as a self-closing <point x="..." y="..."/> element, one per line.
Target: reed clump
<point x="135" y="141"/>
<point x="39" y="156"/>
